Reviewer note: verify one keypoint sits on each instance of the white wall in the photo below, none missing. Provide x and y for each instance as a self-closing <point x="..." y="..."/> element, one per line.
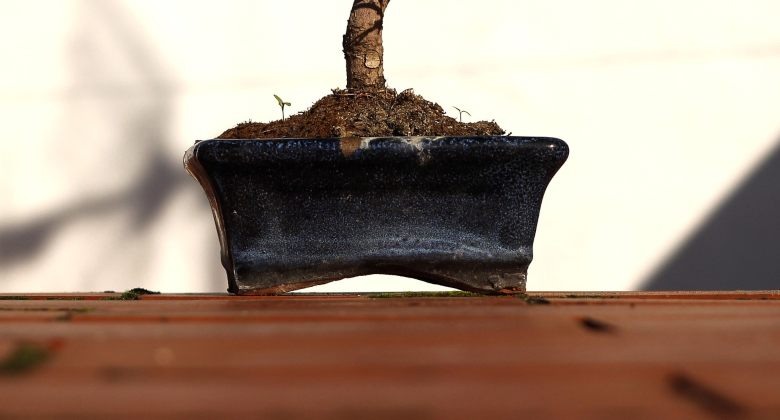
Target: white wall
<point x="666" y="106"/>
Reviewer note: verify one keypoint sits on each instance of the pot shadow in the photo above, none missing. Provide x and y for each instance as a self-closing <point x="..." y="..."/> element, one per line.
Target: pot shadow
<point x="737" y="248"/>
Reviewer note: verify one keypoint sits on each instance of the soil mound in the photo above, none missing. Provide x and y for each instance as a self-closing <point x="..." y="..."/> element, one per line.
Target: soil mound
<point x="364" y="114"/>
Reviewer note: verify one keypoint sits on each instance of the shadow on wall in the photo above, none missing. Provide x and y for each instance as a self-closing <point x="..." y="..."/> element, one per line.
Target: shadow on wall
<point x="148" y="193"/>
<point x="738" y="248"/>
<point x="146" y="197"/>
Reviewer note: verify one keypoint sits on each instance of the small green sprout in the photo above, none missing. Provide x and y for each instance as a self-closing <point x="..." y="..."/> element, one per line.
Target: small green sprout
<point x="460" y="113"/>
<point x="282" y="104"/>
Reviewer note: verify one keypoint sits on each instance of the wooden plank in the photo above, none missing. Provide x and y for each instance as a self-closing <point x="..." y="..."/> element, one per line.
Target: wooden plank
<point x="616" y="355"/>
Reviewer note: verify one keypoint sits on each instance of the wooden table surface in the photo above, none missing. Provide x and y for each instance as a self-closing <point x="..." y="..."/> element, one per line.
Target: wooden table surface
<point x="555" y="355"/>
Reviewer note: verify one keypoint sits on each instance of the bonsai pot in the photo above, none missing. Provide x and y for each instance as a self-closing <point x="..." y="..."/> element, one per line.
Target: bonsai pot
<point x="455" y="211"/>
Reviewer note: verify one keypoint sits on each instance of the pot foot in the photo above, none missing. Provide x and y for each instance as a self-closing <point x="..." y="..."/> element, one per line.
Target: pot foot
<point x="485" y="281"/>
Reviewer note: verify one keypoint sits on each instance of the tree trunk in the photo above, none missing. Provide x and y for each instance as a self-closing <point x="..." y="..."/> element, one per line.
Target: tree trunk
<point x="362" y="44"/>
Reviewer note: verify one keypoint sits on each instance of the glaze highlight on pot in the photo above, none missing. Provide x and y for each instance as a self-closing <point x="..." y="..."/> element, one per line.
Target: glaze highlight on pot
<point x="455" y="211"/>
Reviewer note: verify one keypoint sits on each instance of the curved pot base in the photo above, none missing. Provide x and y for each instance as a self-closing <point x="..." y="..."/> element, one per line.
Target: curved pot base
<point x="455" y="211"/>
<point x="487" y="281"/>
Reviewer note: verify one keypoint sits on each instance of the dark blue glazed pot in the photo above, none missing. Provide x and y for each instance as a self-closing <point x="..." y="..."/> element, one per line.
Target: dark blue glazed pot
<point x="455" y="211"/>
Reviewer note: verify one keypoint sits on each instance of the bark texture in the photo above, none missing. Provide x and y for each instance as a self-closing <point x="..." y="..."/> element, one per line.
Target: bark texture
<point x="363" y="50"/>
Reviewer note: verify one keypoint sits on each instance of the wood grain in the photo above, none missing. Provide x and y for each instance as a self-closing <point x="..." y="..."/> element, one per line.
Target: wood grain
<point x="661" y="355"/>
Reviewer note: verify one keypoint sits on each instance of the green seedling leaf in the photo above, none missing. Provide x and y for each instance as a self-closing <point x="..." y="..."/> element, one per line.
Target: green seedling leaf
<point x="461" y="112"/>
<point x="281" y="103"/>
